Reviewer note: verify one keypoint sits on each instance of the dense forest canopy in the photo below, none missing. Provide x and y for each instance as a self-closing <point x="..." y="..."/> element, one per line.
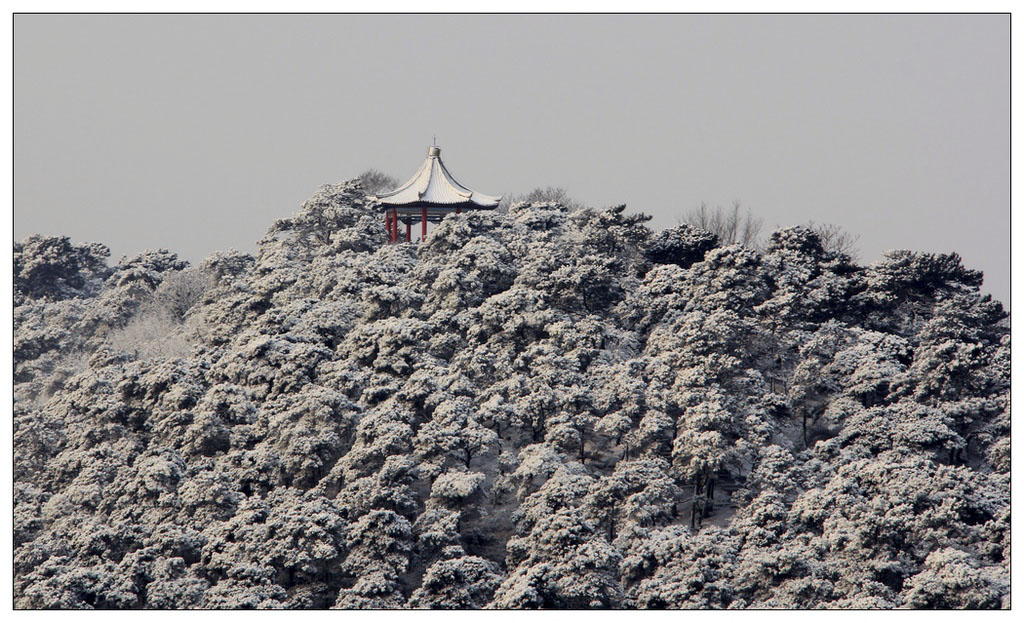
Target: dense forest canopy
<point x="551" y="407"/>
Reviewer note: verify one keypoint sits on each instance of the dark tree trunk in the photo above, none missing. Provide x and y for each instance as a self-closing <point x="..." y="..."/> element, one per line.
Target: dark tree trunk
<point x="710" y="506"/>
<point x="611" y="524"/>
<point x="804" y="424"/>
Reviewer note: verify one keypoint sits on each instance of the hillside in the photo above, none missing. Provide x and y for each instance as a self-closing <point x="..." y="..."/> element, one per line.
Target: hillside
<point x="548" y="408"/>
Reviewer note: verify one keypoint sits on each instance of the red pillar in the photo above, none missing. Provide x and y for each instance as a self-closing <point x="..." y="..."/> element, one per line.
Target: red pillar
<point x="458" y="209"/>
<point x="394" y="226"/>
<point x="408" y="231"/>
<point x="424" y="236"/>
<point x="387" y="223"/>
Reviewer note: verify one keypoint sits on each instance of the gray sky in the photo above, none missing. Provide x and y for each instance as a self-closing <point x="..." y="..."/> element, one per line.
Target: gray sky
<point x="193" y="133"/>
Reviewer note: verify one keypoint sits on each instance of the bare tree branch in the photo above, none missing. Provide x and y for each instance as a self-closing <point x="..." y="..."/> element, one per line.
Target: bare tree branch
<point x="731" y="225"/>
<point x="835" y="239"/>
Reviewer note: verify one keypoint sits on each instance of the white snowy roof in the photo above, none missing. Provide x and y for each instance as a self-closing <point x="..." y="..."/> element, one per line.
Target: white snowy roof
<point x="432" y="183"/>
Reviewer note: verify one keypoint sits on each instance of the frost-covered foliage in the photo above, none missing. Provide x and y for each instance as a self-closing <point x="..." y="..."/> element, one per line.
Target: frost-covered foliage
<point x="552" y="408"/>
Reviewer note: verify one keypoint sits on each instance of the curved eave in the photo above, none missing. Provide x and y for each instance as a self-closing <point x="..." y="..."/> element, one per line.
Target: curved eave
<point x="433" y="184"/>
<point x="449" y="207"/>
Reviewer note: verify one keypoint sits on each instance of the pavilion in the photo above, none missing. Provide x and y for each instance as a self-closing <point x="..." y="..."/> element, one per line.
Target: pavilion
<point x="430" y="195"/>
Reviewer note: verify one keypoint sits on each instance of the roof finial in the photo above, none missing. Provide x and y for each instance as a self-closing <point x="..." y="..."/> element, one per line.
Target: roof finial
<point x="435" y="141"/>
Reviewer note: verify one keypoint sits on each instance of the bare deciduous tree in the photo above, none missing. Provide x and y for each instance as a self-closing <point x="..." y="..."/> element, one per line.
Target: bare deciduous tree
<point x="160" y="328"/>
<point x="374" y="181"/>
<point x="181" y="290"/>
<point x="731" y="225"/>
<point x="835" y="239"/>
<point x="556" y="194"/>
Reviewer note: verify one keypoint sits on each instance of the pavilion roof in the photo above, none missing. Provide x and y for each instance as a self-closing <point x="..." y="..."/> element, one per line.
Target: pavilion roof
<point x="433" y="184"/>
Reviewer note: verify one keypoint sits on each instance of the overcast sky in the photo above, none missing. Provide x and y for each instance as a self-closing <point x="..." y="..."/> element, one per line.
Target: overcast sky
<point x="193" y="133"/>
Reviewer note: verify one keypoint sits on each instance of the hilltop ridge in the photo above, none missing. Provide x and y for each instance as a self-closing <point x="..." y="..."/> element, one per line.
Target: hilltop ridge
<point x="552" y="407"/>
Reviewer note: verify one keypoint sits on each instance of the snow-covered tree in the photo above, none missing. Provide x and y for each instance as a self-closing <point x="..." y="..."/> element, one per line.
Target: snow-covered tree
<point x="548" y="407"/>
